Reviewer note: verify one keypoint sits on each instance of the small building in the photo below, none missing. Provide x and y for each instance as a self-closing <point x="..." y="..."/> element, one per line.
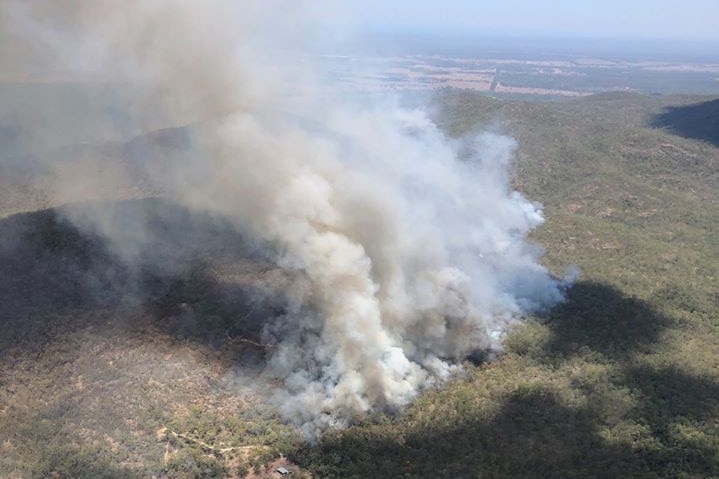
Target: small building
<point x="282" y="471"/>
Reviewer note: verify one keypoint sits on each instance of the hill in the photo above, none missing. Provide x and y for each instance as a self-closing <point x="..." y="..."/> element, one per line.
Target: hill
<point x="622" y="380"/>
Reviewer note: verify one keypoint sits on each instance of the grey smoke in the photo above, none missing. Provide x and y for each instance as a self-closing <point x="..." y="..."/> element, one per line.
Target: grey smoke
<point x="406" y="258"/>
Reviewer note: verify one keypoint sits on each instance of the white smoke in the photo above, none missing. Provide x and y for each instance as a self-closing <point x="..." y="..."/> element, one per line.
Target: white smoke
<point x="409" y="258"/>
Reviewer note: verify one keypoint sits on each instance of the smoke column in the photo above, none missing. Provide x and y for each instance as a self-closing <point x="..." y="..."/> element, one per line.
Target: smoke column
<point x="408" y="258"/>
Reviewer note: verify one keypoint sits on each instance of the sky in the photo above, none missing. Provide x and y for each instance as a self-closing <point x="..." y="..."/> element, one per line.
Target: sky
<point x="667" y="19"/>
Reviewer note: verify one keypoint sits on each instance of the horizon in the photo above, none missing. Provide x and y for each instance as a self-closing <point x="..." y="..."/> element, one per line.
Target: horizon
<point x="384" y="42"/>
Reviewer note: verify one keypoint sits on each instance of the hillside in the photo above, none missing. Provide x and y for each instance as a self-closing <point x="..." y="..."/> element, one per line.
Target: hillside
<point x="622" y="380"/>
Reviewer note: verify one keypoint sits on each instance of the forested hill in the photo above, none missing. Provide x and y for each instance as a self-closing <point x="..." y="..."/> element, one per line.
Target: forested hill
<point x="623" y="379"/>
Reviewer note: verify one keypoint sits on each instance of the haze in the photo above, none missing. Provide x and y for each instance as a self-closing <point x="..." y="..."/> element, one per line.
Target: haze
<point x="561" y="18"/>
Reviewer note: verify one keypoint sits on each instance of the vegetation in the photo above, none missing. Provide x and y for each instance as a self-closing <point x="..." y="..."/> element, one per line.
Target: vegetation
<point x="622" y="380"/>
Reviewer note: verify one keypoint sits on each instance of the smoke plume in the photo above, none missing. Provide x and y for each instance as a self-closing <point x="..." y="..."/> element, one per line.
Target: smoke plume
<point x="405" y="258"/>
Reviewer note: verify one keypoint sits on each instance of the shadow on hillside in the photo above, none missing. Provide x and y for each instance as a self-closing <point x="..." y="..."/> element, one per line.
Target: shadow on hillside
<point x="48" y="269"/>
<point x="601" y="318"/>
<point x="537" y="434"/>
<point x="670" y="394"/>
<point x="533" y="435"/>
<point x="58" y="277"/>
<point x="699" y="121"/>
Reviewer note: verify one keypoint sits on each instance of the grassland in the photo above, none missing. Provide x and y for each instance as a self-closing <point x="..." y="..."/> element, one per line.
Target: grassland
<point x="622" y="380"/>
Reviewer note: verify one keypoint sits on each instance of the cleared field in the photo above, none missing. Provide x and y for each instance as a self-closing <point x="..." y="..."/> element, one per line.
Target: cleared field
<point x="577" y="76"/>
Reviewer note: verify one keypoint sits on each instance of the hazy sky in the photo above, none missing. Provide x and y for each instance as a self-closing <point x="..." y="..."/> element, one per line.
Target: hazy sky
<point x="626" y="18"/>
